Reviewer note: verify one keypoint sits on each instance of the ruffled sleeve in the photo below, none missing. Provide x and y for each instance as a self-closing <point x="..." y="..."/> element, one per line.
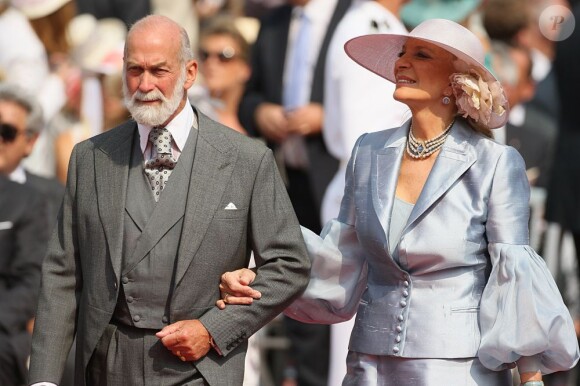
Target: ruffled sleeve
<point x="338" y="276"/>
<point x="522" y="315"/>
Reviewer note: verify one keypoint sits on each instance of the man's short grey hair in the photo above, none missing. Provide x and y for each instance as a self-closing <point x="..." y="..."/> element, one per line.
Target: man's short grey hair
<point x="185" y="52"/>
<point x="17" y="95"/>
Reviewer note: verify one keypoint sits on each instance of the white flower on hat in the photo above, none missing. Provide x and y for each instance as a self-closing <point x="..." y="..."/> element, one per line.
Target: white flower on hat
<point x="476" y="98"/>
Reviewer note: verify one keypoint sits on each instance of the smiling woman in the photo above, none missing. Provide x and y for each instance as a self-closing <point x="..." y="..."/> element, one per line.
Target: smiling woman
<point x="430" y="248"/>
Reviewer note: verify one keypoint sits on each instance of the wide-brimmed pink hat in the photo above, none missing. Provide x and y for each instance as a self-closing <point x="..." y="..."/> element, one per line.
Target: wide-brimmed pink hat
<point x="379" y="52"/>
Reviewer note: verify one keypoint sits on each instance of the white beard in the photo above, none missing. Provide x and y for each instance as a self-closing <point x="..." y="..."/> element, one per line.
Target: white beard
<point x="153" y="115"/>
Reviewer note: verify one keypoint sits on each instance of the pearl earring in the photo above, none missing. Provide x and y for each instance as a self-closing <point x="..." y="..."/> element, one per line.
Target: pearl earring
<point x="446" y="100"/>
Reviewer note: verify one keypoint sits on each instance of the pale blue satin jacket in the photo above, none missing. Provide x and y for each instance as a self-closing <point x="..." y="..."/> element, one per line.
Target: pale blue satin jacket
<point x="467" y="283"/>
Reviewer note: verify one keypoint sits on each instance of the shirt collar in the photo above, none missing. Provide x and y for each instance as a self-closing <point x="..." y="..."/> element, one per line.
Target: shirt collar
<point x="186" y="118"/>
<point x="18" y="175"/>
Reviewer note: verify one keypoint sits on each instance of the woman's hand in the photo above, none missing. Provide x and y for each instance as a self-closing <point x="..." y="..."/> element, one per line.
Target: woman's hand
<point x="235" y="288"/>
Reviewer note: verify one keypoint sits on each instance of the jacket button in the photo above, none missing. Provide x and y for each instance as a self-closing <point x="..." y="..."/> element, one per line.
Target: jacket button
<point x="229" y="346"/>
<point x="405" y="293"/>
<point x="136" y="318"/>
<point x="403" y="303"/>
<point x="395" y="349"/>
<point x="115" y="285"/>
<point x="130" y="299"/>
<point x="406" y="283"/>
<point x="165" y="319"/>
<point x="398" y="338"/>
<point x="401" y="318"/>
<point x="399" y="329"/>
<point x="125" y="280"/>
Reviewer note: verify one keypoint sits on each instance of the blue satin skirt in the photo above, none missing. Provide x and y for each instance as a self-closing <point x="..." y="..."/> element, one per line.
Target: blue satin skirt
<point x="375" y="370"/>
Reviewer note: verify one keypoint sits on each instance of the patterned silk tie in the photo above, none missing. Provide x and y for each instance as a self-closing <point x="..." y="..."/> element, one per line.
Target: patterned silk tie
<point x="158" y="169"/>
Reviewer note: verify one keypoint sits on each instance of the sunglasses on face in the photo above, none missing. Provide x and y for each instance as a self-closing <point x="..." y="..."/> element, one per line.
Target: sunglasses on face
<point x="8" y="132"/>
<point x="224" y="56"/>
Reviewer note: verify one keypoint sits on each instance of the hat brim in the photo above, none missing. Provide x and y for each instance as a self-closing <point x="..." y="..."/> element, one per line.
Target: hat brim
<point x="379" y="52"/>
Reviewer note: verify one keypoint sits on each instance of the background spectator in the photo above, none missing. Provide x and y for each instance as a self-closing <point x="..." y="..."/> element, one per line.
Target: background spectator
<point x="225" y="68"/>
<point x="27" y="210"/>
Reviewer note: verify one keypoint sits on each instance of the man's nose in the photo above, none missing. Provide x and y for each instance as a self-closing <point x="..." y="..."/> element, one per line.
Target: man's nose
<point x="147" y="82"/>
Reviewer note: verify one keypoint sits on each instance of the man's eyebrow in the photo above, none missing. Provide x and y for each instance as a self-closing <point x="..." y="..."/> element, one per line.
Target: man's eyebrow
<point x="153" y="65"/>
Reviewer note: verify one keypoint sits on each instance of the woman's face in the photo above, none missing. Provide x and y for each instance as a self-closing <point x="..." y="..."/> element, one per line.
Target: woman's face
<point x="222" y="66"/>
<point x="422" y="74"/>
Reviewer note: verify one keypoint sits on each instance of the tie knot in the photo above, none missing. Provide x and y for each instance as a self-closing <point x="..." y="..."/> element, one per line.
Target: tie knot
<point x="160" y="137"/>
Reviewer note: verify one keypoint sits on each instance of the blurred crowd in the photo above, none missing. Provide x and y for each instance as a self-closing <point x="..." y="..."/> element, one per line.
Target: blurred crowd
<point x="274" y="70"/>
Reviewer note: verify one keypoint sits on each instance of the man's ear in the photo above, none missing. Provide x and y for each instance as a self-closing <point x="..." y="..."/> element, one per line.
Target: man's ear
<point x="30" y="142"/>
<point x="190" y="73"/>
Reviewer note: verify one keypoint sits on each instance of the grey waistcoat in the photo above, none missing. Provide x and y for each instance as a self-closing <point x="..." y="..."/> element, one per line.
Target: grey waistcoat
<point x="147" y="281"/>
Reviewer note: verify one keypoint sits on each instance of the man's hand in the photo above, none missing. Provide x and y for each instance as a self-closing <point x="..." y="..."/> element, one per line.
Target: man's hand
<point x="186" y="339"/>
<point x="306" y="120"/>
<point x="235" y="288"/>
<point x="272" y="122"/>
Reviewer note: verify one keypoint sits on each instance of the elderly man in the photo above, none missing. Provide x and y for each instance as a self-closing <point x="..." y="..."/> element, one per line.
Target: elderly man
<point x="155" y="210"/>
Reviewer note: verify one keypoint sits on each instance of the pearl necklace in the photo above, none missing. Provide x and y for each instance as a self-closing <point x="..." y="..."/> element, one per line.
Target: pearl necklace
<point x="418" y="149"/>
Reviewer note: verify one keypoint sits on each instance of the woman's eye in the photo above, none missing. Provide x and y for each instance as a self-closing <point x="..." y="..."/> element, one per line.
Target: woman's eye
<point x="400" y="54"/>
<point x="422" y="55"/>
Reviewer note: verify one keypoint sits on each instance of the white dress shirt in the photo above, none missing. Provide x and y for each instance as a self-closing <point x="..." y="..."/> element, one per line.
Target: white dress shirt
<point x="18" y="175"/>
<point x="186" y="118"/>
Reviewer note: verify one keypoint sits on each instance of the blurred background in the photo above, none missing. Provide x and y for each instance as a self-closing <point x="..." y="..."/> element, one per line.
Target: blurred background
<point x="68" y="56"/>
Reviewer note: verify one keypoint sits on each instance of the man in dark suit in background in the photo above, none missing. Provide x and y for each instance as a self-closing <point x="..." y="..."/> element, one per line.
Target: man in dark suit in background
<point x="24" y="231"/>
<point x="283" y="104"/>
<point x="23" y="114"/>
<point x="25" y="235"/>
<point x="155" y="210"/>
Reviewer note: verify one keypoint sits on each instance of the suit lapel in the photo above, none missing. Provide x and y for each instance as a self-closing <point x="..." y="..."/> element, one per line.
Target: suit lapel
<point x="386" y="163"/>
<point x="456" y="157"/>
<point x="275" y="37"/>
<point x="111" y="173"/>
<point x="212" y="168"/>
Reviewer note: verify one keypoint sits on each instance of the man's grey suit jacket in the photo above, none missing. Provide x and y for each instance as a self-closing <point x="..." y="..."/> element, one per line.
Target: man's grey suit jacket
<point x="81" y="272"/>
